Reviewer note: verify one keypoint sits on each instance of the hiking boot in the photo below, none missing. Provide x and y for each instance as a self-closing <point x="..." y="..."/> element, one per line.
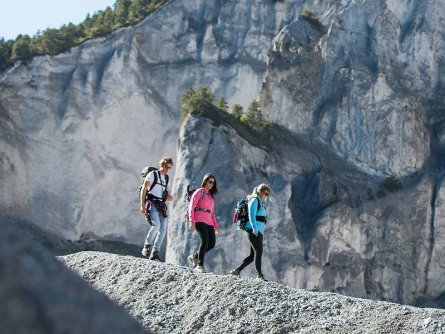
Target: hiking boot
<point x="235" y="272"/>
<point x="261" y="277"/>
<point x="155" y="255"/>
<point x="146" y="250"/>
<point x="200" y="269"/>
<point x="193" y="258"/>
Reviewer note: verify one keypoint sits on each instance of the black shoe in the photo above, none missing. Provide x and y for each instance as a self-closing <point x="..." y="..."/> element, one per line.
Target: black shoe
<point x="235" y="272"/>
<point x="261" y="277"/>
<point x="155" y="255"/>
<point x="146" y="250"/>
<point x="193" y="258"/>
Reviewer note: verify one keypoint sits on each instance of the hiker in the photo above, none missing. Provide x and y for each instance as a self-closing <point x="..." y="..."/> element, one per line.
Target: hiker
<point x="255" y="228"/>
<point x="202" y="219"/>
<point x="155" y="208"/>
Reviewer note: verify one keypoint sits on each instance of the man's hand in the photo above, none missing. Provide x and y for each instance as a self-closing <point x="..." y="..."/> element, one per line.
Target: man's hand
<point x="169" y="197"/>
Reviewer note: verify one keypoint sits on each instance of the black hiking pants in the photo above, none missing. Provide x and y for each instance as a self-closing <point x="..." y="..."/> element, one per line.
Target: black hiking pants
<point x="207" y="235"/>
<point x="256" y="252"/>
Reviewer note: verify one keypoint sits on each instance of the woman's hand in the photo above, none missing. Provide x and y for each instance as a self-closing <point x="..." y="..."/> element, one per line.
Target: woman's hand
<point x="216" y="231"/>
<point x="143" y="209"/>
<point x="192" y="226"/>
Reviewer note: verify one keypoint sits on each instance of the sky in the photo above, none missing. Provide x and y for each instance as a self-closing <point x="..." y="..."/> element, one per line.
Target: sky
<point x="29" y="16"/>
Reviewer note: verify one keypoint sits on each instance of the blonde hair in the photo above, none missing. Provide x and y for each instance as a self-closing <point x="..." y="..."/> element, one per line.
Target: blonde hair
<point x="164" y="161"/>
<point x="262" y="188"/>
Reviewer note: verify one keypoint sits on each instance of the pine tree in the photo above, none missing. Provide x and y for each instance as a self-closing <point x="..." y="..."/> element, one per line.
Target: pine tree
<point x="5" y="53"/>
<point x="222" y="104"/>
<point x="254" y="117"/>
<point x="250" y="117"/>
<point x="197" y="101"/>
<point x="104" y="23"/>
<point x="21" y="48"/>
<point x="136" y="11"/>
<point x="237" y="110"/>
<point x="121" y="12"/>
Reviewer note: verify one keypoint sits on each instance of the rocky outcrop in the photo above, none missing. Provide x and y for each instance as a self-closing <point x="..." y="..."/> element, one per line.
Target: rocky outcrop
<point x="39" y="295"/>
<point x="357" y="182"/>
<point x="345" y="232"/>
<point x="172" y="299"/>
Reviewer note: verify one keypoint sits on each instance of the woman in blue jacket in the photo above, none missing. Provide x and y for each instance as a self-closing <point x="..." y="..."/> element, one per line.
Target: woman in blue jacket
<point x="255" y="229"/>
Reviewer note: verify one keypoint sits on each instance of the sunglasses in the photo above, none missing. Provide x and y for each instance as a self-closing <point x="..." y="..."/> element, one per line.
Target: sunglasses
<point x="211" y="181"/>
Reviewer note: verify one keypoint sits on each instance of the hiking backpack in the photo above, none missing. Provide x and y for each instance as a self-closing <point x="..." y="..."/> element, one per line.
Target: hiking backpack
<point x="187" y="196"/>
<point x="241" y="213"/>
<point x="144" y="173"/>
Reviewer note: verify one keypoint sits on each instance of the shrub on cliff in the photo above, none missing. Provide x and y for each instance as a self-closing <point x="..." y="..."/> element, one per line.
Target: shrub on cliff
<point x="254" y="118"/>
<point x="197" y="101"/>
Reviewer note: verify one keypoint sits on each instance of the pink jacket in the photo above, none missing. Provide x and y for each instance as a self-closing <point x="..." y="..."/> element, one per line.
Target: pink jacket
<point x="206" y="204"/>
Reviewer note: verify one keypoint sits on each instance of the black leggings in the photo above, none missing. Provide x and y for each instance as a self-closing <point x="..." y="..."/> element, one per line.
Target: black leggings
<point x="256" y="252"/>
<point x="207" y="235"/>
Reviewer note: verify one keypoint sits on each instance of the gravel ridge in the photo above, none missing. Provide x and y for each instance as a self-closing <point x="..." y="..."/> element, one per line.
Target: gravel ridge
<point x="39" y="295"/>
<point x="167" y="298"/>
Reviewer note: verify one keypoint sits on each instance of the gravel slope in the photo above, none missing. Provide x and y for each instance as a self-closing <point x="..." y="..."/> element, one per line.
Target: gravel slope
<point x="170" y="299"/>
<point x="39" y="295"/>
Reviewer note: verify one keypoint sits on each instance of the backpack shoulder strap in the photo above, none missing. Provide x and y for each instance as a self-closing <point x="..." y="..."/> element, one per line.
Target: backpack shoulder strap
<point x="166" y="180"/>
<point x="155" y="180"/>
<point x="202" y="194"/>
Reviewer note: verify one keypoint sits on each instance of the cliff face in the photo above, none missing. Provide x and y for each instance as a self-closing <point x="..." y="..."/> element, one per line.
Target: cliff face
<point x="356" y="170"/>
<point x="78" y="127"/>
<point x="364" y="82"/>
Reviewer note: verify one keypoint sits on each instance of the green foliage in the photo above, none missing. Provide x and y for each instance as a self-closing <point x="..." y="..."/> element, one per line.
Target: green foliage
<point x="254" y="118"/>
<point x="136" y="10"/>
<point x="5" y="53"/>
<point x="237" y="110"/>
<point x="21" y="49"/>
<point x="222" y="104"/>
<point x="251" y="125"/>
<point x="197" y="101"/>
<point x="121" y="12"/>
<point x="54" y="41"/>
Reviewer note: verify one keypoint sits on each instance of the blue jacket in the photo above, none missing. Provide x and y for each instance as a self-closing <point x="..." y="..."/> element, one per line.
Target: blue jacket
<point x="253" y="224"/>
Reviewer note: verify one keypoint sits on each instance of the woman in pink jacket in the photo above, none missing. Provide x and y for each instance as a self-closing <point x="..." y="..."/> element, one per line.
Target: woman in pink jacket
<point x="202" y="219"/>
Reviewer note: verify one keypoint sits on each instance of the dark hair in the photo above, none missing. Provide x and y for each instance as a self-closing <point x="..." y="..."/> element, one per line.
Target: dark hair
<point x="214" y="189"/>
